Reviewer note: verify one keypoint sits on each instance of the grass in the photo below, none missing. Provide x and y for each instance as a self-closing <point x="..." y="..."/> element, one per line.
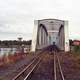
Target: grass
<point x="76" y="57"/>
<point x="1" y="78"/>
<point x="75" y="50"/>
<point x="5" y="60"/>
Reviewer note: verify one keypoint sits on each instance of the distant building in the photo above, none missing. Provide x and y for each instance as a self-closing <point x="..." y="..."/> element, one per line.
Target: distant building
<point x="76" y="42"/>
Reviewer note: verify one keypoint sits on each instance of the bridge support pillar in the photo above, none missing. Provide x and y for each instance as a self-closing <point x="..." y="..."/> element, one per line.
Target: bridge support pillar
<point x="66" y="34"/>
<point x="34" y="38"/>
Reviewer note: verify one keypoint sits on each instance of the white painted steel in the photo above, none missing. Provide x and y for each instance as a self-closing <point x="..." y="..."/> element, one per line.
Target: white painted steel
<point x="66" y="34"/>
<point x="52" y="26"/>
<point x="34" y="36"/>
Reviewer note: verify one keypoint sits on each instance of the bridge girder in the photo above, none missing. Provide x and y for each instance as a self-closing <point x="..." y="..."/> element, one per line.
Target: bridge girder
<point x="47" y="31"/>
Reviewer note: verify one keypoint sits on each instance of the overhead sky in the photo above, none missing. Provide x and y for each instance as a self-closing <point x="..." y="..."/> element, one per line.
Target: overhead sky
<point x="17" y="16"/>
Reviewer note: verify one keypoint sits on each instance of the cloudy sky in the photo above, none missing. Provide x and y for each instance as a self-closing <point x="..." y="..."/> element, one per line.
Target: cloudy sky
<point x="17" y="16"/>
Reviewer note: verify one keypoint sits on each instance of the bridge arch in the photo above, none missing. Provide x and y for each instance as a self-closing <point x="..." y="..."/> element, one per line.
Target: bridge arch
<point x="44" y="27"/>
<point x="61" y="37"/>
<point x="42" y="36"/>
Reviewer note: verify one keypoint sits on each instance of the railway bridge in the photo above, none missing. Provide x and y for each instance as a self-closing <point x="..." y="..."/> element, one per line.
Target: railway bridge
<point x="49" y="31"/>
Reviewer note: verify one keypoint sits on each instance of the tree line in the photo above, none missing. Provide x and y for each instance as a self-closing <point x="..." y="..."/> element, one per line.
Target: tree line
<point x="14" y="42"/>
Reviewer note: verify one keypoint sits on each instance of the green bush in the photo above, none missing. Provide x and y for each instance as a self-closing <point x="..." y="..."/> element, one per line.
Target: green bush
<point x="77" y="49"/>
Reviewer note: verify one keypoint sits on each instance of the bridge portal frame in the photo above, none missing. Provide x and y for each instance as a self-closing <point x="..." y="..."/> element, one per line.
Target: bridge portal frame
<point x="35" y="35"/>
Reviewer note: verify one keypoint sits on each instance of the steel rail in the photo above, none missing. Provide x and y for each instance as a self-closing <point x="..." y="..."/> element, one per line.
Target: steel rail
<point x="60" y="68"/>
<point x="35" y="58"/>
<point x="23" y="70"/>
<point x="19" y="74"/>
<point x="55" y="77"/>
<point x="32" y="70"/>
<point x="57" y="62"/>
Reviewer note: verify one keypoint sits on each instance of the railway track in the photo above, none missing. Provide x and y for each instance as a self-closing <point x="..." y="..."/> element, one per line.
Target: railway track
<point x="58" y="73"/>
<point x="25" y="74"/>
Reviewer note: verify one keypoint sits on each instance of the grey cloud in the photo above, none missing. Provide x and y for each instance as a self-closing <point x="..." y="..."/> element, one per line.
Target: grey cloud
<point x="20" y="14"/>
<point x="13" y="35"/>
